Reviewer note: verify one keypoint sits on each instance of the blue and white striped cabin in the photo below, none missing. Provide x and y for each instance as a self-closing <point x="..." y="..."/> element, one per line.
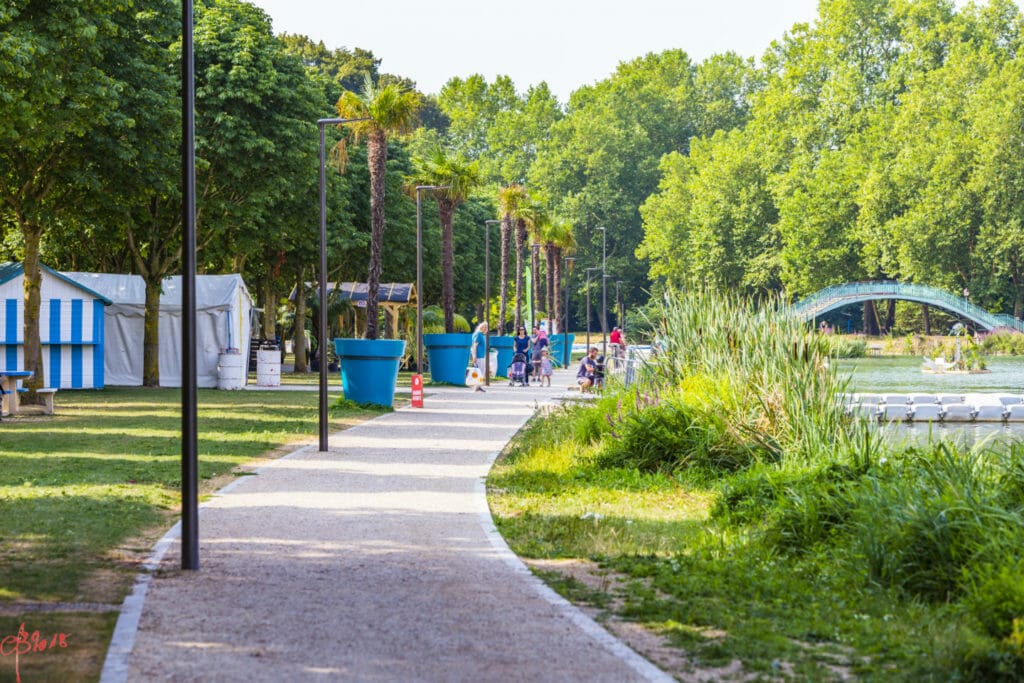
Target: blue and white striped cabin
<point x="70" y="328"/>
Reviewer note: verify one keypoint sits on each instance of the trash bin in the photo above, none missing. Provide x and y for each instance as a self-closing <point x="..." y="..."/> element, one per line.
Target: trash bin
<point x="268" y="368"/>
<point x="230" y="370"/>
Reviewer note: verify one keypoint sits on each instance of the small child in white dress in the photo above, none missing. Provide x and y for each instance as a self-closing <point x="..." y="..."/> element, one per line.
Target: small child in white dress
<point x="546" y="369"/>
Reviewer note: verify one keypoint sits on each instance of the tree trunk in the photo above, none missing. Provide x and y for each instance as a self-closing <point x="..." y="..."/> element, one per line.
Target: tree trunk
<point x="926" y="318"/>
<point x="1018" y="295"/>
<point x="890" y="316"/>
<point x="506" y="238"/>
<point x="520" y="240"/>
<point x="377" y="154"/>
<point x="549" y="285"/>
<point x="534" y="285"/>
<point x="870" y="319"/>
<point x="151" y="334"/>
<point x="299" y="342"/>
<point x="269" y="308"/>
<point x="557" y="293"/>
<point x="33" y="348"/>
<point x="446" y="211"/>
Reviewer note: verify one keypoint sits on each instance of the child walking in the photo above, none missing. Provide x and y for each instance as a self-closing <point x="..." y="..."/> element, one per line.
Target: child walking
<point x="546" y="369"/>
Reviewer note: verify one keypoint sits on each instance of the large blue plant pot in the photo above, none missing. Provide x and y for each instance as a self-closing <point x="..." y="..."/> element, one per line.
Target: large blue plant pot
<point x="369" y="368"/>
<point x="560" y="351"/>
<point x="504" y="348"/>
<point x="448" y="356"/>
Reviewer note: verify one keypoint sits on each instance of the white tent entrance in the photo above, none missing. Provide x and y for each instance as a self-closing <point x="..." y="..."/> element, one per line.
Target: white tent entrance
<point x="223" y="323"/>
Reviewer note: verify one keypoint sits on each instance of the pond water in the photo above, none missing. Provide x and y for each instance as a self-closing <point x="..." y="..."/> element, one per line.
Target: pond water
<point x="902" y="375"/>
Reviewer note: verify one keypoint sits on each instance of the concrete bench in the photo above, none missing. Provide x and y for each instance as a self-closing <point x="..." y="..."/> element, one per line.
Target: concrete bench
<point x="46" y="394"/>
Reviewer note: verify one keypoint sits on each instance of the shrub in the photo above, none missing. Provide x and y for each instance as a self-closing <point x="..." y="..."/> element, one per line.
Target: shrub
<point x="670" y="435"/>
<point x="845" y="346"/>
<point x="995" y="598"/>
<point x="923" y="523"/>
<point x="1005" y="343"/>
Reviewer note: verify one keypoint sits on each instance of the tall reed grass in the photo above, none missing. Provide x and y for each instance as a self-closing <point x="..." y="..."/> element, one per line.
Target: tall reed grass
<point x="746" y="381"/>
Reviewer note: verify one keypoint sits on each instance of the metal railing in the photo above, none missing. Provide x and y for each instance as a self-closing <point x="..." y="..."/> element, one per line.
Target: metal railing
<point x="852" y="292"/>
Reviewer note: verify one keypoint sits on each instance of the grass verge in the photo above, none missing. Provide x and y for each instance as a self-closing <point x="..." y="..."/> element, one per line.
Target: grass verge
<point x="85" y="493"/>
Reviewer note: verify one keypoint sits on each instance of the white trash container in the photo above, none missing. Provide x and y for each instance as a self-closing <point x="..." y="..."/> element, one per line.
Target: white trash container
<point x="268" y="368"/>
<point x="230" y="370"/>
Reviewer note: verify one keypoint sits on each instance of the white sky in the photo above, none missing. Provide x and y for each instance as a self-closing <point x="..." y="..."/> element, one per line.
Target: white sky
<point x="567" y="43"/>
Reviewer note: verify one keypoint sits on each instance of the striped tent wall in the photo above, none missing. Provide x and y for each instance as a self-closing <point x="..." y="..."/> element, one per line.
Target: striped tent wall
<point x="71" y="332"/>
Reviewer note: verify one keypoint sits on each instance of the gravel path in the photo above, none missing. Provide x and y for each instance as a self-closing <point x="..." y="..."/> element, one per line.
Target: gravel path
<point x="375" y="561"/>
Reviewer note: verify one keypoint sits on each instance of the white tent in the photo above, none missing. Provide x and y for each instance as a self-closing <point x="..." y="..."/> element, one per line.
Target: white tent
<point x="223" y="309"/>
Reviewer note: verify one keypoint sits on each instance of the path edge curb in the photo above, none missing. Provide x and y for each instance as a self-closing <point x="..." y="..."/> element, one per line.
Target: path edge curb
<point x="641" y="665"/>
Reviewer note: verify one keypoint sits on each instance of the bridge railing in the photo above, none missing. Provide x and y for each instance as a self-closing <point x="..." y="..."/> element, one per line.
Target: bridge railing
<point x="888" y="289"/>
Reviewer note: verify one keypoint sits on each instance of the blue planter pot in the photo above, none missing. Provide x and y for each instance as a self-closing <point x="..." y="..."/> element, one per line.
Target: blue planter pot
<point x="560" y="351"/>
<point x="504" y="347"/>
<point x="369" y="368"/>
<point x="448" y="356"/>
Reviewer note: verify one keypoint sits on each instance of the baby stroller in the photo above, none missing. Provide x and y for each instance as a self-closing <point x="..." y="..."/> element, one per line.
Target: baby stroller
<point x="518" y="372"/>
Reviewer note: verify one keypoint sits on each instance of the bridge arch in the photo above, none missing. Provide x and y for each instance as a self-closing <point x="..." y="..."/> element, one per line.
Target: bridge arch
<point x="838" y="296"/>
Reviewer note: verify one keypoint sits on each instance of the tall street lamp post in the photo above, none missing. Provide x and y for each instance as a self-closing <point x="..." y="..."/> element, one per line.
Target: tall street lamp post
<point x="419" y="273"/>
<point x="566" y="352"/>
<point x="487" y="299"/>
<point x="589" y="271"/>
<point x="322" y="341"/>
<point x="604" y="292"/>
<point x="189" y="382"/>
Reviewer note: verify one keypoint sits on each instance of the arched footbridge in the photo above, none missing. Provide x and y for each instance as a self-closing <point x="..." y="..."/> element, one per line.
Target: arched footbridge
<point x="838" y="296"/>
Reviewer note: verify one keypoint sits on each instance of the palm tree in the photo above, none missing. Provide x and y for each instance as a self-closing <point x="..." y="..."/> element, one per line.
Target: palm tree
<point x="390" y="109"/>
<point x="457" y="176"/>
<point x="536" y="218"/>
<point x="509" y="200"/>
<point x="558" y="239"/>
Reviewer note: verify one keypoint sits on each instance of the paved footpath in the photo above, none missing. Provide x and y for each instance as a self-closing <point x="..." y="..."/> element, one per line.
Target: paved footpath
<point x="375" y="561"/>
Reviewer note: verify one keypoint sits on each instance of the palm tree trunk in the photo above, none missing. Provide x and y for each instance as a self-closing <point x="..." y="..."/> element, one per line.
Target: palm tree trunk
<point x="377" y="157"/>
<point x="534" y="284"/>
<point x="520" y="240"/>
<point x="549" y="284"/>
<point x="446" y="211"/>
<point x="556" y="277"/>
<point x="506" y="238"/>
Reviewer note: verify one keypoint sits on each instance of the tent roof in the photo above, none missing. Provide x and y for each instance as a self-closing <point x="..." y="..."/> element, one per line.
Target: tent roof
<point x="11" y="270"/>
<point x="394" y="292"/>
<point x="212" y="291"/>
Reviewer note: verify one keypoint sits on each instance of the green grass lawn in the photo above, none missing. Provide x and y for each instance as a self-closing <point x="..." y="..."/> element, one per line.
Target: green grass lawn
<point x="715" y="590"/>
<point x="86" y="492"/>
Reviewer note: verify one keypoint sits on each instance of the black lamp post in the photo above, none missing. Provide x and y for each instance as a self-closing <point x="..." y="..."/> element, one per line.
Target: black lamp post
<point x="322" y="341"/>
<point x="566" y="353"/>
<point x="604" y="292"/>
<point x="589" y="271"/>
<point x="189" y="383"/>
<point x="487" y="299"/>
